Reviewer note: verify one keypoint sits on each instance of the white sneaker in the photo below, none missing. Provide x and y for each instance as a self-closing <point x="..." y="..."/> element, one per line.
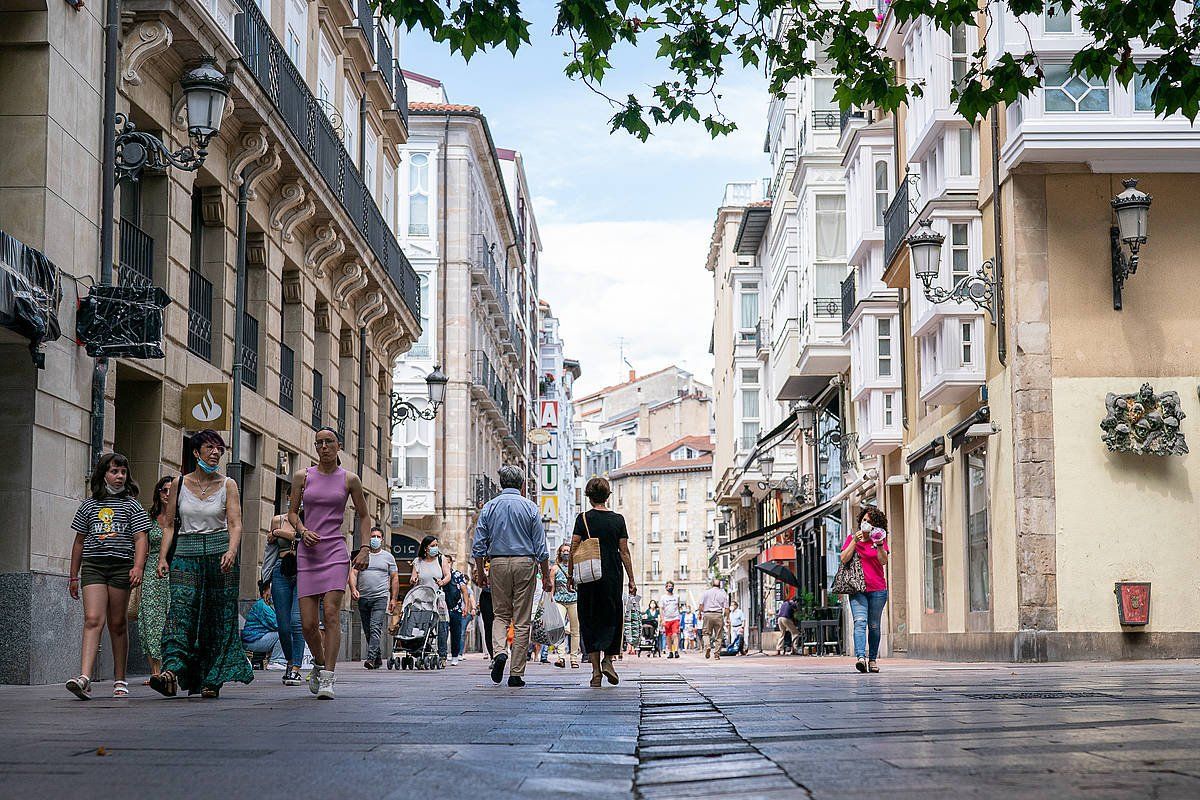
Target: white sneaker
<point x="454" y="662"/>
<point x="314" y="678"/>
<point x="325" y="690"/>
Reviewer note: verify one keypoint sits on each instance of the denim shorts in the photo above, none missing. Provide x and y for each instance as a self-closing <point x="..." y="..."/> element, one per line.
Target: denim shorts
<point x="107" y="571"/>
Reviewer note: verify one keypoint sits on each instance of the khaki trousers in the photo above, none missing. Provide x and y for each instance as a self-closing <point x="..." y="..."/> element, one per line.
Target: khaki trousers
<point x="572" y="644"/>
<point x="788" y="625"/>
<point x="714" y="630"/>
<point x="511" y="579"/>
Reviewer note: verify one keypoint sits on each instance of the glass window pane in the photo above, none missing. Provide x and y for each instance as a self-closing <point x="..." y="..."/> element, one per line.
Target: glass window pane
<point x="966" y="154"/>
<point x="978" y="572"/>
<point x="934" y="554"/>
<point x="1142" y="93"/>
<point x="1095" y="100"/>
<point x="749" y="309"/>
<point x="1058" y="19"/>
<point x="831" y="227"/>
<point x="750" y="403"/>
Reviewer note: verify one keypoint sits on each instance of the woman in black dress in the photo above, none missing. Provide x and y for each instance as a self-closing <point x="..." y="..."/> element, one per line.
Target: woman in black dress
<point x="601" y="611"/>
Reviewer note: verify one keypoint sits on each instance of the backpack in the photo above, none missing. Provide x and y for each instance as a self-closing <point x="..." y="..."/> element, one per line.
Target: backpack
<point x="453" y="593"/>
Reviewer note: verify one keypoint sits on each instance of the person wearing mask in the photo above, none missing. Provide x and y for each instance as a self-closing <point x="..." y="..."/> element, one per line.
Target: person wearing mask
<point x="510" y="535"/>
<point x="653" y="614"/>
<point x="789" y="634"/>
<point x="869" y="540"/>
<point x="601" y="609"/>
<point x="430" y="569"/>
<point x="459" y="603"/>
<point x="375" y="589"/>
<point x="569" y="600"/>
<point x="155" y="593"/>
<point x="279" y="569"/>
<point x="260" y="633"/>
<point x="201" y="647"/>
<point x="714" y="608"/>
<point x="110" y="553"/>
<point x="737" y="631"/>
<point x="668" y="601"/>
<point x="323" y="560"/>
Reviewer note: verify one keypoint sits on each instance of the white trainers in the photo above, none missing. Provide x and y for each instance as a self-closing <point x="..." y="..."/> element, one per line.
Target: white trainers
<point x="454" y="662"/>
<point x="325" y="688"/>
<point x="314" y="678"/>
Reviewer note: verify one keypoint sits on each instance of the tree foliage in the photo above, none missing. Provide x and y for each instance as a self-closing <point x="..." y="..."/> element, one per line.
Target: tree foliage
<point x="699" y="41"/>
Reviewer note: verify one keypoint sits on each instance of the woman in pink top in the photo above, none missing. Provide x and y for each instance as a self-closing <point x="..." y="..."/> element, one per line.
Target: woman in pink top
<point x="869" y="540"/>
<point x="323" y="560"/>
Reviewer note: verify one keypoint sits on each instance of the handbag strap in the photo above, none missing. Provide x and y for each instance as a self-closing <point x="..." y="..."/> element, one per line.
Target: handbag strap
<point x="586" y="529"/>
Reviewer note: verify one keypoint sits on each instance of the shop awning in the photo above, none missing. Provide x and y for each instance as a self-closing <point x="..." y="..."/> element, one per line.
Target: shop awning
<point x="918" y="460"/>
<point x="779" y="552"/>
<point x="958" y="434"/>
<point x="769" y="440"/>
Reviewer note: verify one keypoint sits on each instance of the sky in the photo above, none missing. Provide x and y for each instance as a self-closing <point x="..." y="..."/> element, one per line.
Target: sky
<point x="625" y="225"/>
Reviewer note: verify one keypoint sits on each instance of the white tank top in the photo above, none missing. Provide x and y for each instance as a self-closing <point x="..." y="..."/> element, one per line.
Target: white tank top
<point x="202" y="516"/>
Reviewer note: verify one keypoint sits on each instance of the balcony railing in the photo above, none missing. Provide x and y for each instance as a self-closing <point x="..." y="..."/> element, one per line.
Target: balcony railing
<point x="847" y="115"/>
<point x="827" y="307"/>
<point x="485" y="489"/>
<point x="747" y="443"/>
<point x="250" y="352"/>
<point x="898" y="216"/>
<point x="287" y="378"/>
<point x="383" y="57"/>
<point x="304" y="116"/>
<point x="137" y="256"/>
<point x="401" y="95"/>
<point x="848" y="301"/>
<point x="365" y="20"/>
<point x="341" y="416"/>
<point x="200" y="303"/>
<point x="318" y="401"/>
<point x="827" y="119"/>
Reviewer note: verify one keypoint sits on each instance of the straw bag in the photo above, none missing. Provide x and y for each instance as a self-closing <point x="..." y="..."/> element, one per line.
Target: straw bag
<point x="587" y="557"/>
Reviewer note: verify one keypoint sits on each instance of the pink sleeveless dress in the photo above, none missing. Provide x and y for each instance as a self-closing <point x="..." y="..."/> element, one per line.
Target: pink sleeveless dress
<point x="324" y="567"/>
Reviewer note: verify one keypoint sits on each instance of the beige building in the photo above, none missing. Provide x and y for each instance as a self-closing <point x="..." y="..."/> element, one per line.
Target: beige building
<point x="311" y="132"/>
<point x="666" y="499"/>
<point x="467" y="223"/>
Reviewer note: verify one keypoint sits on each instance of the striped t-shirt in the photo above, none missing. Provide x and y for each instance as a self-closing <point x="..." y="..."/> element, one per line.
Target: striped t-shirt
<point x="108" y="526"/>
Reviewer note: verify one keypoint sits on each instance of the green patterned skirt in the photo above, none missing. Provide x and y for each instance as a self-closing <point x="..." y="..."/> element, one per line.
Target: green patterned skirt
<point x="152" y="608"/>
<point x="201" y="644"/>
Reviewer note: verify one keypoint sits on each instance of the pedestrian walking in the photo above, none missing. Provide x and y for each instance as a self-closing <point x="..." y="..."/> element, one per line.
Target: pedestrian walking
<point x="690" y="627"/>
<point x="601" y="609"/>
<point x="260" y="632"/>
<point x="869" y="542"/>
<point x="789" y="634"/>
<point x="737" y="631"/>
<point x="108" y="557"/>
<point x="376" y="590"/>
<point x="714" y="608"/>
<point x="323" y="560"/>
<point x="668" y="601"/>
<point x="461" y="606"/>
<point x="654" y="616"/>
<point x="569" y="600"/>
<point x="487" y="613"/>
<point x="509" y="534"/>
<point x="430" y="569"/>
<point x="155" y="592"/>
<point x="201" y="647"/>
<point x="279" y="569"/>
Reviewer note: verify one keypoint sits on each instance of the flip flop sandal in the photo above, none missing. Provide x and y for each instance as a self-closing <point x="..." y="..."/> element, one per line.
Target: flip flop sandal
<point x="165" y="683"/>
<point x="81" y="687"/>
<point x="210" y="692"/>
<point x="120" y="689"/>
<point x="560" y="663"/>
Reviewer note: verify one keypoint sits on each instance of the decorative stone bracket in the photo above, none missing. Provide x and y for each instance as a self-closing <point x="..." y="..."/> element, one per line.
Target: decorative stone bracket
<point x="140" y="45"/>
<point x="353" y="280"/>
<point x="324" y="247"/>
<point x="293" y="207"/>
<point x="1143" y="423"/>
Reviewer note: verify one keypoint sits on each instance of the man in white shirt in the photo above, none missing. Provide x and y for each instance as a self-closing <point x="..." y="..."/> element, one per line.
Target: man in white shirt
<point x="668" y="603"/>
<point x="737" y="630"/>
<point x="714" y="606"/>
<point x="375" y="589"/>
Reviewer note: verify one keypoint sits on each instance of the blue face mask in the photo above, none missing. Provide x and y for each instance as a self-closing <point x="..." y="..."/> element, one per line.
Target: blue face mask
<point x="433" y="552"/>
<point x="205" y="468"/>
<point x="376" y="542"/>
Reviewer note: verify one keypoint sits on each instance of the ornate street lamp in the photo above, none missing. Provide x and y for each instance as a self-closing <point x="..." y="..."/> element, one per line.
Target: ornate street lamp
<point x="980" y="288"/>
<point x="1132" y="208"/>
<point x="205" y="91"/>
<point x="435" y="385"/>
<point x="806" y="415"/>
<point x="747" y="495"/>
<point x="766" y="465"/>
<point x="727" y="514"/>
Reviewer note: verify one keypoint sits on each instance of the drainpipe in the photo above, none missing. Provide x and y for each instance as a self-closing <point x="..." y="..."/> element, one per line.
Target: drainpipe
<point x="239" y="340"/>
<point x="440" y="344"/>
<point x="1001" y="334"/>
<point x="108" y="184"/>
<point x="362" y="418"/>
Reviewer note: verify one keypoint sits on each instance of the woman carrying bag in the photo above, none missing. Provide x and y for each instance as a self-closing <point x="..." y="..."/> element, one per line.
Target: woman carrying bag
<point x="863" y="577"/>
<point x="599" y="551"/>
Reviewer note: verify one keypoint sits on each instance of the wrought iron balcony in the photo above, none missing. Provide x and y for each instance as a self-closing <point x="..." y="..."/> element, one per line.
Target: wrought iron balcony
<point x="385" y="60"/>
<point x="137" y="256"/>
<point x="827" y="307"/>
<point x="401" y="95"/>
<point x="847" y="115"/>
<point x="304" y="116"/>
<point x="287" y="378"/>
<point x="898" y="216"/>
<point x="827" y="119"/>
<point x="250" y="352"/>
<point x="200" y="303"/>
<point x="318" y="401"/>
<point x="848" y="301"/>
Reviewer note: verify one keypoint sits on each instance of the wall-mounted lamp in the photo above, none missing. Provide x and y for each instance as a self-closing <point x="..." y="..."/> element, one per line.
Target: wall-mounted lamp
<point x="982" y="288"/>
<point x="435" y="385"/>
<point x="747" y="495"/>
<point x="1132" y="208"/>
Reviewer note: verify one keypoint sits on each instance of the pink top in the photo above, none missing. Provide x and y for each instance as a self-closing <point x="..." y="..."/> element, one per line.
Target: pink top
<point x="872" y="570"/>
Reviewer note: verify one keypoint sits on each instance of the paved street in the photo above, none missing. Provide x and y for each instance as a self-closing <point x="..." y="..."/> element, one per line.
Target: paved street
<point x="753" y="727"/>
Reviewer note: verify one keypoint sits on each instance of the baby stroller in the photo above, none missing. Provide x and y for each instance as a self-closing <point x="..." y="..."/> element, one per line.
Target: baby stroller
<point x="649" y="638"/>
<point x="416" y="638"/>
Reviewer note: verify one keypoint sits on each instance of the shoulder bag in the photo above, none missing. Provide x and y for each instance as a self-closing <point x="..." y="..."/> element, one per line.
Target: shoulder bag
<point x="849" y="578"/>
<point x="588" y="568"/>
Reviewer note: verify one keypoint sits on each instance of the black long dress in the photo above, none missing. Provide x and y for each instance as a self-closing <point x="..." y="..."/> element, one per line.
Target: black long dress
<point x="601" y="612"/>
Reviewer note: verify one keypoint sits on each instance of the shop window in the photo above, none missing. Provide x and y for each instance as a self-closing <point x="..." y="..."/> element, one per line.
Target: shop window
<point x="934" y="571"/>
<point x="979" y="587"/>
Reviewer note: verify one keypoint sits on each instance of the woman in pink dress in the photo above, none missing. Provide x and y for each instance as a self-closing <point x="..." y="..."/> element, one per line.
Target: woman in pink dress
<point x="323" y="560"/>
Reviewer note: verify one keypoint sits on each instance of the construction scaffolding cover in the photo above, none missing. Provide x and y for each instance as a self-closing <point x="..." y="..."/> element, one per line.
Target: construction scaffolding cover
<point x="122" y="321"/>
<point x="29" y="294"/>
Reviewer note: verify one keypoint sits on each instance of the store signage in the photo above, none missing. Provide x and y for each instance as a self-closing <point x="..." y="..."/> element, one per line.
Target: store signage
<point x="1133" y="603"/>
<point x="206" y="405"/>
<point x="549" y="506"/>
<point x="548" y="414"/>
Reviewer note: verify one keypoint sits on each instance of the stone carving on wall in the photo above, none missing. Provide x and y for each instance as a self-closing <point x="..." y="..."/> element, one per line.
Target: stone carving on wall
<point x="141" y="44"/>
<point x="1143" y="423"/>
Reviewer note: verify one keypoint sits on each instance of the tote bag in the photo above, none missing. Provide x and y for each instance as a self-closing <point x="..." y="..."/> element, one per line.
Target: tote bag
<point x="587" y="557"/>
<point x="549" y="624"/>
<point x="849" y="578"/>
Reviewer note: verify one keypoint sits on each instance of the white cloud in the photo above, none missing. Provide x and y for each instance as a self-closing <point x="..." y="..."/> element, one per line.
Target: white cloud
<point x="643" y="281"/>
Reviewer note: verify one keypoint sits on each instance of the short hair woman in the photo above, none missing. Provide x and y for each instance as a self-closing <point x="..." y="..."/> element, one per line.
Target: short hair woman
<point x="601" y="611"/>
<point x="202" y="649"/>
<point x="110" y="553"/>
<point x="323" y="560"/>
<point x="156" y="591"/>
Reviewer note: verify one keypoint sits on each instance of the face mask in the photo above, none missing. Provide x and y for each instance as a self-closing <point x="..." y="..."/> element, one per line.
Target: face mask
<point x="108" y="487"/>
<point x="865" y="526"/>
<point x="205" y="468"/>
<point x="433" y="552"/>
<point x="376" y="542"/>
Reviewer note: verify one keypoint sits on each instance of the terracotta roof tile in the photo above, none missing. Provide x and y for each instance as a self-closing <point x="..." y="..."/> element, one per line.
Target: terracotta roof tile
<point x="442" y="107"/>
<point x="660" y="460"/>
<point x="759" y="204"/>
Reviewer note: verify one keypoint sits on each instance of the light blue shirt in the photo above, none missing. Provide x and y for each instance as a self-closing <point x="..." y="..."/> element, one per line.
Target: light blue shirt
<point x="510" y="525"/>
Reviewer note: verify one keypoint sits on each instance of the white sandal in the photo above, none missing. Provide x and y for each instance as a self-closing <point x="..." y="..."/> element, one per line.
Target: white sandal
<point x="120" y="689"/>
<point x="81" y="687"/>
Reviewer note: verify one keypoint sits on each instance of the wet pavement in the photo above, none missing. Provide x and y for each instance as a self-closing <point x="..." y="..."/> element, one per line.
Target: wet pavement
<point x="747" y="727"/>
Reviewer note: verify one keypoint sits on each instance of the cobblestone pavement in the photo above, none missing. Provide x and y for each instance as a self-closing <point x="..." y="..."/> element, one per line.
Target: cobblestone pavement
<point x="749" y="727"/>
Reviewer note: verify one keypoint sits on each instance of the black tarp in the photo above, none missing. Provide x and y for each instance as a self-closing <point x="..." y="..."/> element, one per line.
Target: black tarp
<point x="30" y="291"/>
<point x="122" y="321"/>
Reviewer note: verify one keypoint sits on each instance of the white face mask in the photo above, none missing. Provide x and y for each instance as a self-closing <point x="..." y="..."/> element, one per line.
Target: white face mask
<point x="376" y="542"/>
<point x="865" y="526"/>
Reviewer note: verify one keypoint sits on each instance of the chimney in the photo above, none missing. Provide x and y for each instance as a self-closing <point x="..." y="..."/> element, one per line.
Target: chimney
<point x="643" y="430"/>
<point x="632" y="376"/>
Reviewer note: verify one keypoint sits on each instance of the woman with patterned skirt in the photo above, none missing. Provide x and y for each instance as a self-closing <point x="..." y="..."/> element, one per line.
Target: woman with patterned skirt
<point x="152" y="607"/>
<point x="202" y="649"/>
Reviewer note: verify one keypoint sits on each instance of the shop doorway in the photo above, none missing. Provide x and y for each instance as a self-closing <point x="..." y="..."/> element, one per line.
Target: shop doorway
<point x="138" y="416"/>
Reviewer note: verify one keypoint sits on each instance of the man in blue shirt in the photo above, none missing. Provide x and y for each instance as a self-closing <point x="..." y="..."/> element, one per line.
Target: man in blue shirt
<point x="509" y="535"/>
<point x="260" y="634"/>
